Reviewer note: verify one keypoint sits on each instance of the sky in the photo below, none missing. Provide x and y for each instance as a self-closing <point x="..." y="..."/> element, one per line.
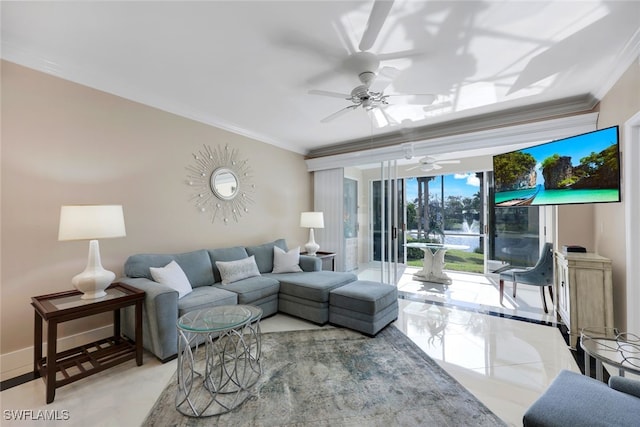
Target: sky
<point x="576" y="147"/>
<point x="465" y="185"/>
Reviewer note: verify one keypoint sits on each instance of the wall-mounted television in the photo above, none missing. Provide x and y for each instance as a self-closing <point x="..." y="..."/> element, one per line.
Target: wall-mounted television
<point x="580" y="169"/>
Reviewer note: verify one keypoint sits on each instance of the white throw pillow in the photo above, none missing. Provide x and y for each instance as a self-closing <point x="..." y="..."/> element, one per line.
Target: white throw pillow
<point x="172" y="276"/>
<point x="232" y="271"/>
<point x="286" y="262"/>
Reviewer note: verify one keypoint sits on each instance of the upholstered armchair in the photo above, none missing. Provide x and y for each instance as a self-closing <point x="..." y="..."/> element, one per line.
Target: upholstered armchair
<point x="539" y="275"/>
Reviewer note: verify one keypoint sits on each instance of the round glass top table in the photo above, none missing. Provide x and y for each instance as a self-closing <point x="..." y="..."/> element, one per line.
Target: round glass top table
<point x="215" y="319"/>
<point x="252" y="336"/>
<point x="612" y="347"/>
<point x="218" y="381"/>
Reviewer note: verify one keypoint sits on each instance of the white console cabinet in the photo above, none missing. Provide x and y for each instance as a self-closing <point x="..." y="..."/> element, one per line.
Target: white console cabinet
<point x="584" y="292"/>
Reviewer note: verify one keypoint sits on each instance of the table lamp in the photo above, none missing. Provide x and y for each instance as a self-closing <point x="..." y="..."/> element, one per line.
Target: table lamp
<point x="311" y="220"/>
<point x="92" y="222"/>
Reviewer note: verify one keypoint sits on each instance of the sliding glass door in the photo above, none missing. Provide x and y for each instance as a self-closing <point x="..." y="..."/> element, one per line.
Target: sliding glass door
<point x="387" y="219"/>
<point x="448" y="209"/>
<point x="456" y="208"/>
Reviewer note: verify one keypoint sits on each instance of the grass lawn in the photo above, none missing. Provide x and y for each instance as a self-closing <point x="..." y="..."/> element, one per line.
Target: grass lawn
<point x="456" y="260"/>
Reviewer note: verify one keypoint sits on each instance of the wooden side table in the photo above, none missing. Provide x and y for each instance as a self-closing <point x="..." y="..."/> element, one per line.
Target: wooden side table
<point x="328" y="259"/>
<point x="58" y="369"/>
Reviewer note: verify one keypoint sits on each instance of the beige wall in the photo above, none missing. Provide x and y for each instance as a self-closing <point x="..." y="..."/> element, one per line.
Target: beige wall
<point x="63" y="143"/>
<point x="601" y="227"/>
<point x="618" y="106"/>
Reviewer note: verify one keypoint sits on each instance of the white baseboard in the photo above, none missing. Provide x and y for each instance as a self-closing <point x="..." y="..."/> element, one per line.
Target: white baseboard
<point x="20" y="362"/>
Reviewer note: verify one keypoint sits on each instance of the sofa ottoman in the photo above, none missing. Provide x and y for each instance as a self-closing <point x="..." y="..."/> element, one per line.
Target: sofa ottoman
<point x="306" y="295"/>
<point x="363" y="306"/>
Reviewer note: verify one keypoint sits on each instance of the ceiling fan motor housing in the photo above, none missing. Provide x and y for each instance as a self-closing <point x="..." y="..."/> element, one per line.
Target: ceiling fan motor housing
<point x="360" y="93"/>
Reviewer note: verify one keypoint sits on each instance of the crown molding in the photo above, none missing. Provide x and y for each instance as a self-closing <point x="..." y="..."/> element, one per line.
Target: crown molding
<point x="489" y="141"/>
<point x="629" y="54"/>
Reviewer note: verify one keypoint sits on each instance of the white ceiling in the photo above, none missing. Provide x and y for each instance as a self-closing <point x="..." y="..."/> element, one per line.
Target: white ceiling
<point x="247" y="66"/>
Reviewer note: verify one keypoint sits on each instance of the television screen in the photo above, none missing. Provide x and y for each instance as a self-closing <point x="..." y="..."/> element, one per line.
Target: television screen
<point x="580" y="169"/>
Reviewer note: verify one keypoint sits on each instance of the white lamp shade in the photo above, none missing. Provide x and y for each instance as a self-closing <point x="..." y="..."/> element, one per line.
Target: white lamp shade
<point x="81" y="222"/>
<point x="312" y="220"/>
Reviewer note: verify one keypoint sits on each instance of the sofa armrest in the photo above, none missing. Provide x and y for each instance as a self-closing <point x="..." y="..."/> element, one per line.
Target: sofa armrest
<point x="159" y="317"/>
<point x="310" y="263"/>
<point x="625" y="385"/>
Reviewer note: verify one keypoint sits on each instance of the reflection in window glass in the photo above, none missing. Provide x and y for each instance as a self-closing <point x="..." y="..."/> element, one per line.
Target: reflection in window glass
<point x="513" y="233"/>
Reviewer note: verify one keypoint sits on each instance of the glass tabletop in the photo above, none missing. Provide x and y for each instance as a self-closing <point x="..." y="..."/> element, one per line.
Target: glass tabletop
<point x="619" y="349"/>
<point x="216" y="318"/>
<point x="71" y="301"/>
<point x="256" y="312"/>
<point x="423" y="245"/>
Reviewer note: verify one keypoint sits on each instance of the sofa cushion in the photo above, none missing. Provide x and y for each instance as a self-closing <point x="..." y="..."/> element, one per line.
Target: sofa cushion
<point x="225" y="254"/>
<point x="205" y="297"/>
<point x="252" y="289"/>
<point x="196" y="265"/>
<point x="574" y="399"/>
<point x="314" y="285"/>
<point x="172" y="276"/>
<point x="264" y="254"/>
<point x="286" y="262"/>
<point x="232" y="271"/>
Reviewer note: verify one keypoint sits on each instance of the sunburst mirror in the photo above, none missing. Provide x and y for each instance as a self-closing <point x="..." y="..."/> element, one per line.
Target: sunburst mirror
<point x="222" y="183"/>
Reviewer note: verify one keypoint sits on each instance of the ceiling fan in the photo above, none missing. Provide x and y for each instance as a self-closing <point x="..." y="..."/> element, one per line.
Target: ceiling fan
<point x="429" y="163"/>
<point x="370" y="93"/>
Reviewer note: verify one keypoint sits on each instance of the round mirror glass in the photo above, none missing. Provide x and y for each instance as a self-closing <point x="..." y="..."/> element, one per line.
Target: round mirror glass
<point x="224" y="183"/>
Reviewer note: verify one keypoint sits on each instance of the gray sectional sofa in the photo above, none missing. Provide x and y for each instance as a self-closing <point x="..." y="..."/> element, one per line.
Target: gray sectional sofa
<point x="302" y="294"/>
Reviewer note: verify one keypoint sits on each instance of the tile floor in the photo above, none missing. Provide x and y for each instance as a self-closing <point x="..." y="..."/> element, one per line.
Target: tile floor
<point x="505" y="363"/>
<point x="479" y="293"/>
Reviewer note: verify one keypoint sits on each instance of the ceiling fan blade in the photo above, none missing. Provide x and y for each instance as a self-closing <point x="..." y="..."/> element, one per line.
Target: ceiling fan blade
<point x="329" y="93"/>
<point x="391" y="121"/>
<point x="379" y="13"/>
<point x="383" y="79"/>
<point x="338" y="113"/>
<point x="416" y="99"/>
<point x="444" y="162"/>
<point x="378" y="119"/>
<point x="435" y="166"/>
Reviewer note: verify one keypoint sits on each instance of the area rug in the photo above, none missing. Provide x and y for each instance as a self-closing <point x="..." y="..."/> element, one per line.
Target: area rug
<point x="337" y="377"/>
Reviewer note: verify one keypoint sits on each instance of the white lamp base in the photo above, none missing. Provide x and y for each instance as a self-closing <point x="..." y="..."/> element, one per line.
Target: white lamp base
<point x="311" y="246"/>
<point x="94" y="279"/>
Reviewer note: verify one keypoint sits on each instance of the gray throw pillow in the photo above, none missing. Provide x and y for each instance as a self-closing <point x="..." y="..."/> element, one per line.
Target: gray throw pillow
<point x="286" y="262"/>
<point x="232" y="271"/>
